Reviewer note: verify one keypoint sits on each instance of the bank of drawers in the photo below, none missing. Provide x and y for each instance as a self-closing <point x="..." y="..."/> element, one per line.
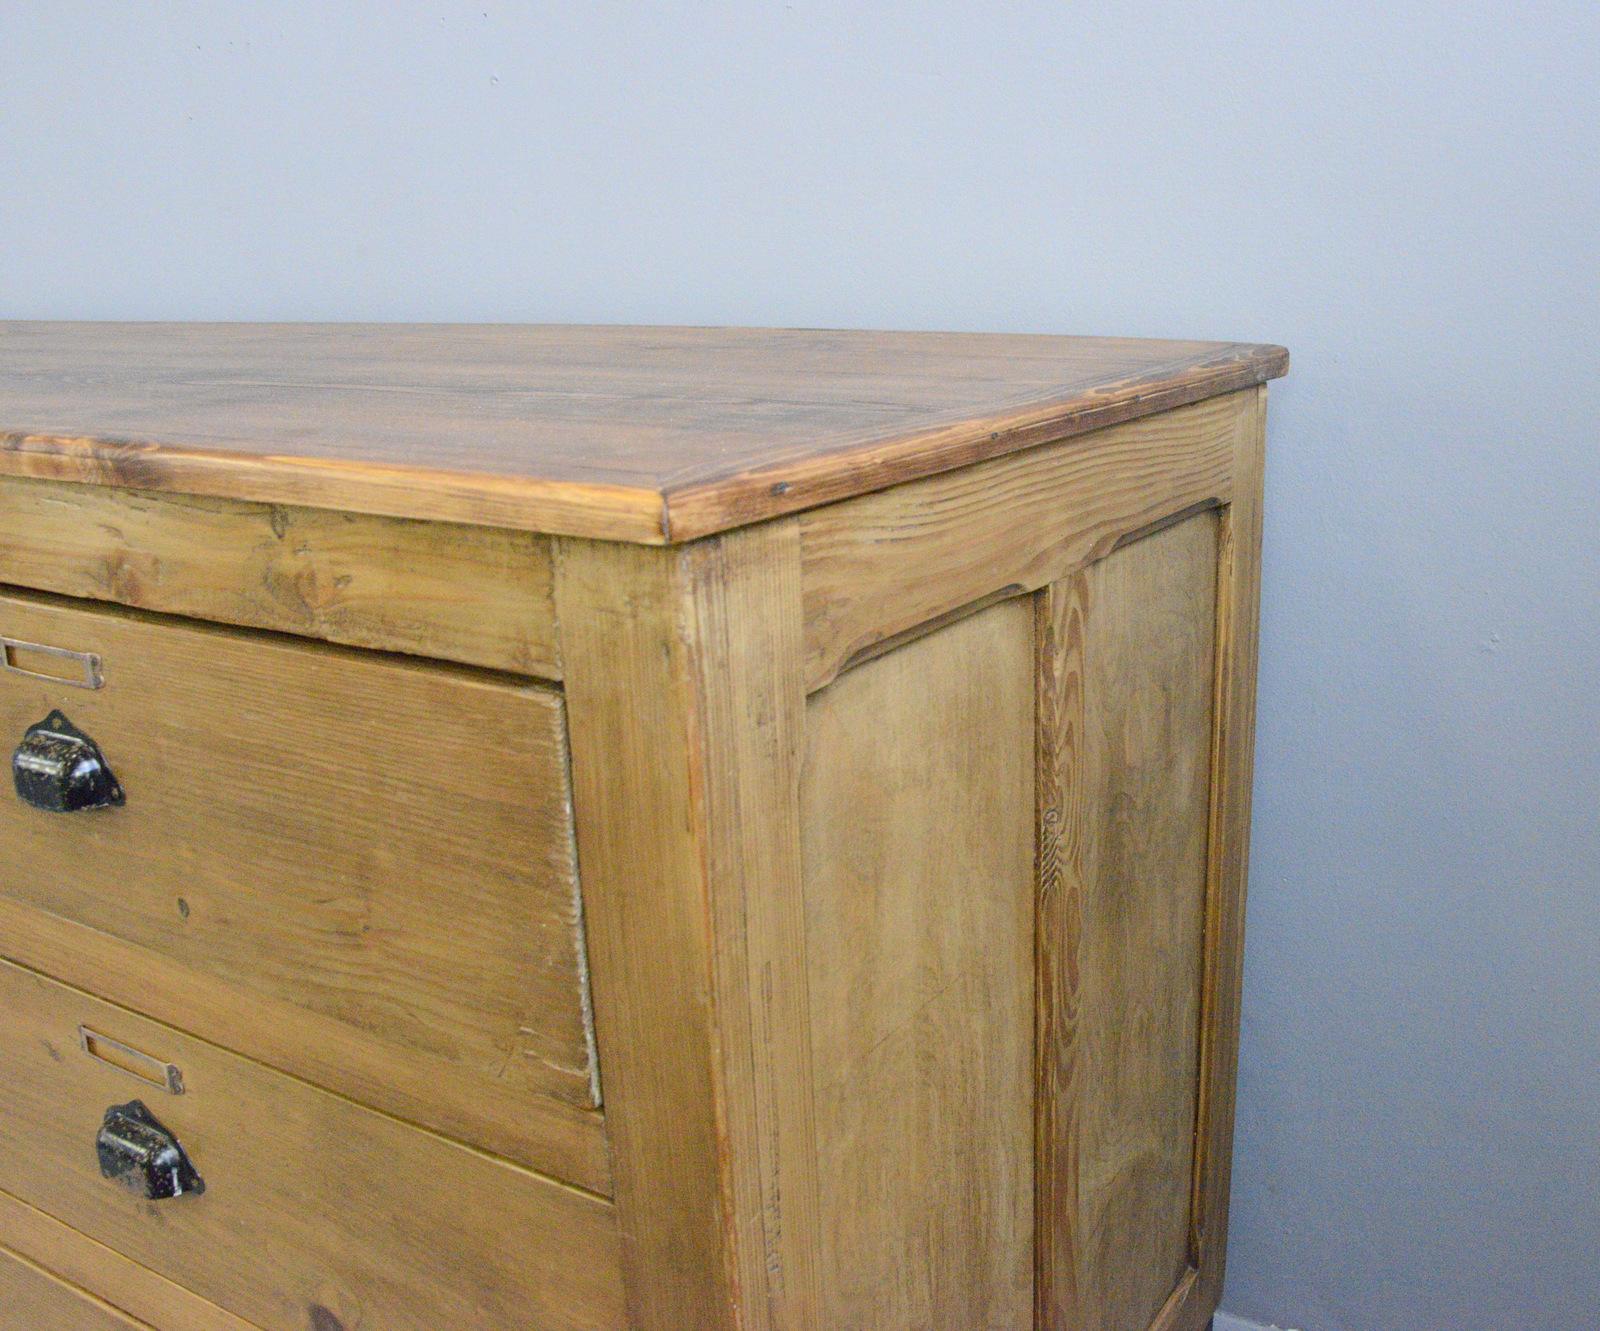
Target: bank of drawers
<point x="325" y="931"/>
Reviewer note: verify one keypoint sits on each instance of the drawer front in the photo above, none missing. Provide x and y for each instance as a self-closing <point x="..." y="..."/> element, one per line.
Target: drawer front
<point x="354" y="867"/>
<point x="31" y="1298"/>
<point x="315" y="1212"/>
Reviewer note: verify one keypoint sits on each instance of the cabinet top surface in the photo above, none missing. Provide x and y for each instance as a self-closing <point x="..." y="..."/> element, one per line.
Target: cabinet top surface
<point x="636" y="434"/>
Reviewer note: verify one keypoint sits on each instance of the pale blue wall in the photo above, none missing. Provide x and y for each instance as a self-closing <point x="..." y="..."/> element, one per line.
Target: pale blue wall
<point x="1408" y="195"/>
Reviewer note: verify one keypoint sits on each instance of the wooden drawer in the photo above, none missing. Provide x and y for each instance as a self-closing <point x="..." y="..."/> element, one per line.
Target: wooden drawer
<point x="315" y="1212"/>
<point x="356" y="868"/>
<point x="32" y="1298"/>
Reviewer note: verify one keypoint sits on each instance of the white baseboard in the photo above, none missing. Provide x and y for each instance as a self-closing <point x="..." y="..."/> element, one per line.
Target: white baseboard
<point x="1228" y="1322"/>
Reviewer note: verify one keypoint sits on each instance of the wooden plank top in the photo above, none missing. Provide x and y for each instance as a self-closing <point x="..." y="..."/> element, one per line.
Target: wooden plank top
<point x="637" y="434"/>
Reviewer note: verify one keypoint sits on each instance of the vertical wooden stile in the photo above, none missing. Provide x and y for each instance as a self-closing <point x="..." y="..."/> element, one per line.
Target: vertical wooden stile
<point x="1233" y="759"/>
<point x="684" y="683"/>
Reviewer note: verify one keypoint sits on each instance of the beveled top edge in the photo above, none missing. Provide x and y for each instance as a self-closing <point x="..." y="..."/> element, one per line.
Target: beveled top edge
<point x="628" y="434"/>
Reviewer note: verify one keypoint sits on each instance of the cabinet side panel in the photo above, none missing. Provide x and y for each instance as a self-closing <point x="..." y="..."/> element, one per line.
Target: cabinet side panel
<point x="1126" y="652"/>
<point x="917" y="828"/>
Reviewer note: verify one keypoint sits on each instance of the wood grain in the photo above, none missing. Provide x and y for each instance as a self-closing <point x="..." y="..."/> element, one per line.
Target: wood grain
<point x="33" y="1299"/>
<point x="1233" y="759"/>
<point x="910" y="783"/>
<point x="1126" y="681"/>
<point x="747" y="605"/>
<point x="477" y="595"/>
<point x="685" y="695"/>
<point x="81" y="1261"/>
<point x="361" y="843"/>
<point x="917" y="799"/>
<point x="887" y="563"/>
<point x="636" y="434"/>
<point x="316" y="1212"/>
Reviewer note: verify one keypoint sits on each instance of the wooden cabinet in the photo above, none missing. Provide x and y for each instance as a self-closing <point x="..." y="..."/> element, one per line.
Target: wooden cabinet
<point x="644" y="828"/>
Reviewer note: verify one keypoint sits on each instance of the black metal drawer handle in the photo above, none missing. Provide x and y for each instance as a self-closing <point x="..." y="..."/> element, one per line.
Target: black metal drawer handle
<point x="135" y="1150"/>
<point x="59" y="769"/>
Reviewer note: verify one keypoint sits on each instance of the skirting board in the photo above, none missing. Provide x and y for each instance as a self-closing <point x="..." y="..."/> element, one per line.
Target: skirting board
<point x="1228" y="1322"/>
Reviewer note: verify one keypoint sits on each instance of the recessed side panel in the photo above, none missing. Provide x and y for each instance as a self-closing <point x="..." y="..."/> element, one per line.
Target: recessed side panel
<point x="917" y="806"/>
<point x="1126" y="679"/>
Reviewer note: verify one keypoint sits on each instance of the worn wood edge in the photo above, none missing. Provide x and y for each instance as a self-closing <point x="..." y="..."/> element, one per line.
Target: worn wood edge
<point x="705" y="506"/>
<point x="699" y="506"/>
<point x="559" y="1141"/>
<point x="566" y="508"/>
<point x="1233" y="759"/>
<point x="88" y="1265"/>
<point x="871" y="566"/>
<point x="377" y="583"/>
